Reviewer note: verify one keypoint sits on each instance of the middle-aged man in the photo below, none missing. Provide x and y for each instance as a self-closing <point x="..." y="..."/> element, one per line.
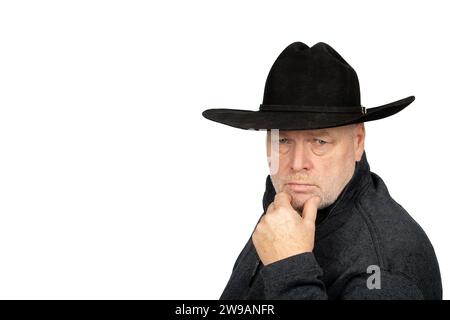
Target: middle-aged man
<point x="330" y="229"/>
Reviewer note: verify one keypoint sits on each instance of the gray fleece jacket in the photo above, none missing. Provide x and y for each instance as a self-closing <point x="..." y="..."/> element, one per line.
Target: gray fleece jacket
<point x="366" y="247"/>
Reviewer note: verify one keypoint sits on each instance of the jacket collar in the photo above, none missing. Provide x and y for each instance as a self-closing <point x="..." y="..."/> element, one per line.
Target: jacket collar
<point x="328" y="218"/>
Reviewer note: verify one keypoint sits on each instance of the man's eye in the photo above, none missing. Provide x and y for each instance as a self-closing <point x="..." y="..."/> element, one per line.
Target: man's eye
<point x="283" y="140"/>
<point x="320" y="142"/>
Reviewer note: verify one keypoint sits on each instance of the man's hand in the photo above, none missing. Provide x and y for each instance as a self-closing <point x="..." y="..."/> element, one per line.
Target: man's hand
<point x="282" y="232"/>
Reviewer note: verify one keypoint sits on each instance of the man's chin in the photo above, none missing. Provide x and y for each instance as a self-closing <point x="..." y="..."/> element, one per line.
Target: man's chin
<point x="299" y="200"/>
<point x="298" y="197"/>
<point x="298" y="205"/>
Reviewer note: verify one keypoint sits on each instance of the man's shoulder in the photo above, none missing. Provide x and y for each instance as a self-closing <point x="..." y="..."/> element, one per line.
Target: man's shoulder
<point x="401" y="243"/>
<point x="381" y="232"/>
<point x="386" y="218"/>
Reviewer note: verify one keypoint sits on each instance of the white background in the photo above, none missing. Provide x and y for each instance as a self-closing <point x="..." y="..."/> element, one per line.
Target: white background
<point x="112" y="184"/>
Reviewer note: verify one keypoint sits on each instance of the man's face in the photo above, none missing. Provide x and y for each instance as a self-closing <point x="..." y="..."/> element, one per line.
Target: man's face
<point x="315" y="162"/>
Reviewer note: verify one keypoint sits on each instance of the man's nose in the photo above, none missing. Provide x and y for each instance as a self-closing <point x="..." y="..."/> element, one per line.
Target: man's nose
<point x="301" y="157"/>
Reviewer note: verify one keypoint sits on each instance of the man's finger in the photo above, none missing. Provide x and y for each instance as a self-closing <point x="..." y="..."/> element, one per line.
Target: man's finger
<point x="282" y="199"/>
<point x="310" y="209"/>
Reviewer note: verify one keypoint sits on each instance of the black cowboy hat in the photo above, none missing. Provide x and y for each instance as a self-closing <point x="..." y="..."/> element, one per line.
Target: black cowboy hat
<point x="308" y="88"/>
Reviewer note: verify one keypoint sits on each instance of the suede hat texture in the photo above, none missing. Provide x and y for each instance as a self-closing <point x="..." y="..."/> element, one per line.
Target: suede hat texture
<point x="308" y="88"/>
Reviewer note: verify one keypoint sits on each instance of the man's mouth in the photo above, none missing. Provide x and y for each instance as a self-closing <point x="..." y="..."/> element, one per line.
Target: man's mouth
<point x="300" y="187"/>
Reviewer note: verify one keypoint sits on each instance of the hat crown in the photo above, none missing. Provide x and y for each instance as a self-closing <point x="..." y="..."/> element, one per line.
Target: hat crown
<point x="316" y="76"/>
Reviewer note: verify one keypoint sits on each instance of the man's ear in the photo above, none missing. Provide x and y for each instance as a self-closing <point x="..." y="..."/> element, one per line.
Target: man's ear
<point x="358" y="140"/>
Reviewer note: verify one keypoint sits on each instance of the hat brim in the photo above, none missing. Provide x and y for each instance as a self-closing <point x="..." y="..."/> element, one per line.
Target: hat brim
<point x="298" y="120"/>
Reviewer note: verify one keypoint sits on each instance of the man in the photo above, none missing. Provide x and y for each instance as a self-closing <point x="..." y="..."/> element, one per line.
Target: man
<point x="330" y="229"/>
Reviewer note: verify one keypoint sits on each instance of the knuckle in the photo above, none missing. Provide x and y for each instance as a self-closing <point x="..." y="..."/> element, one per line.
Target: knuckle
<point x="280" y="195"/>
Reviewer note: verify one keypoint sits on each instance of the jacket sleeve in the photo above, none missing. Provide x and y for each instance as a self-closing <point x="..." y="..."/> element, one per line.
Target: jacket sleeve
<point x="296" y="277"/>
<point x="299" y="278"/>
